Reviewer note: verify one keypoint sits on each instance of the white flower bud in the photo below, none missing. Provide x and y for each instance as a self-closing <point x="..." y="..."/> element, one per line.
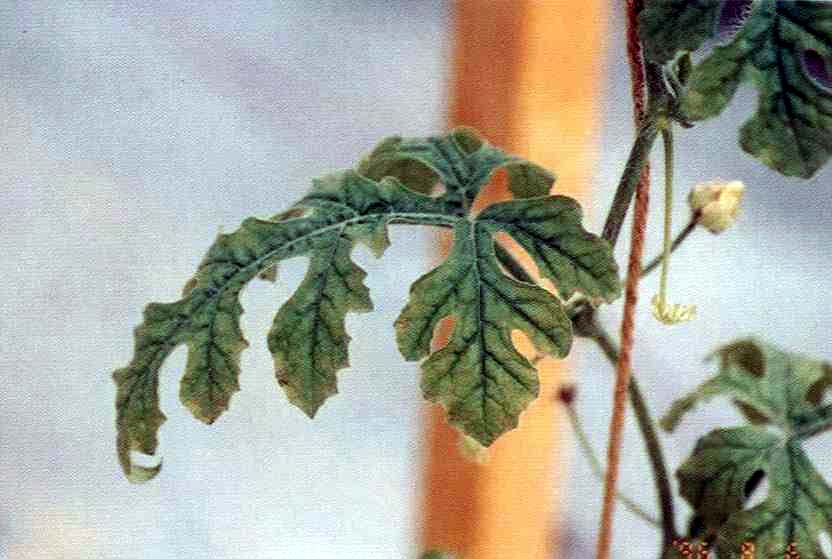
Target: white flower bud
<point x="717" y="204"/>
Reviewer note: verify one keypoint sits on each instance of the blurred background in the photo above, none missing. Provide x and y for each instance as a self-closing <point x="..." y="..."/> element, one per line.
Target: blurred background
<point x="131" y="135"/>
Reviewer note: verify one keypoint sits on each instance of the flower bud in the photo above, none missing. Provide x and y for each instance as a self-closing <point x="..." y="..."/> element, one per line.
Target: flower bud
<point x="717" y="204"/>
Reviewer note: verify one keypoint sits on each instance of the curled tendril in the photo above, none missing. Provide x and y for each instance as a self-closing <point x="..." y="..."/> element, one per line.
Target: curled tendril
<point x="669" y="313"/>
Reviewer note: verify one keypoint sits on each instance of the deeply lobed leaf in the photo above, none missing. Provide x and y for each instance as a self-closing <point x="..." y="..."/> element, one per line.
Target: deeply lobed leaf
<point x="791" y="131"/>
<point x="766" y="383"/>
<point x="479" y="376"/>
<point x="462" y="161"/>
<point x="785" y="391"/>
<point x="342" y="209"/>
<point x="797" y="510"/>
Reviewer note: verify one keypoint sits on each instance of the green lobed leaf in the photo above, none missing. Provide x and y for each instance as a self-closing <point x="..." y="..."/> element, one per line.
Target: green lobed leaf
<point x="797" y="510"/>
<point x="462" y="161"/>
<point x="342" y="208"/>
<point x="550" y="230"/>
<point x="479" y="376"/>
<point x="308" y="339"/>
<point x="715" y="478"/>
<point x="784" y="391"/>
<point x="768" y="385"/>
<point x="791" y="131"/>
<point x="669" y="26"/>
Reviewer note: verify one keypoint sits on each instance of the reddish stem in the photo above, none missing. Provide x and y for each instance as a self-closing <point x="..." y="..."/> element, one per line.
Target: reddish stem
<point x="624" y="366"/>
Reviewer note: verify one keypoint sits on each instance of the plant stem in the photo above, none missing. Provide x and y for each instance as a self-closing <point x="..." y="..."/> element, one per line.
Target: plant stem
<point x="636" y="178"/>
<point x="585" y="323"/>
<point x="649" y="434"/>
<point x="598" y="469"/>
<point x="678" y="240"/>
<point x="636" y="163"/>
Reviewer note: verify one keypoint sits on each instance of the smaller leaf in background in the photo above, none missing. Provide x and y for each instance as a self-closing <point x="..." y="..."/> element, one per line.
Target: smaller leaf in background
<point x="785" y="392"/>
<point x="791" y="131"/>
<point x="766" y="383"/>
<point x="462" y="161"/>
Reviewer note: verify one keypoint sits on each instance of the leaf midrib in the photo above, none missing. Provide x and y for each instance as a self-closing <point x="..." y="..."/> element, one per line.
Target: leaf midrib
<point x="274" y="255"/>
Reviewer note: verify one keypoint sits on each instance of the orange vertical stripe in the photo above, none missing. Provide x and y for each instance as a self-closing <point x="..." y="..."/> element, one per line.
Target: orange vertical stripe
<point x="526" y="74"/>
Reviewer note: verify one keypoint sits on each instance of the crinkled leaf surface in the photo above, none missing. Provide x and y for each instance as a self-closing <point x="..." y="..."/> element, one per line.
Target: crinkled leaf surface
<point x="342" y="208"/>
<point x="791" y="131"/>
<point x="479" y="376"/>
<point x="309" y="339"/>
<point x="462" y="161"/>
<point x="669" y="26"/>
<point x="715" y="478"/>
<point x="781" y="390"/>
<point x="550" y="230"/>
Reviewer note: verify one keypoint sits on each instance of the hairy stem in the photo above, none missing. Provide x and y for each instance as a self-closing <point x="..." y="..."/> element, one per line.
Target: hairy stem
<point x="598" y="469"/>
<point x="641" y="185"/>
<point x="636" y="163"/>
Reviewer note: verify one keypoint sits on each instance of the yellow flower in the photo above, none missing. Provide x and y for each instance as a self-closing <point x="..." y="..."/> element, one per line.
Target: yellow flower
<point x="717" y="204"/>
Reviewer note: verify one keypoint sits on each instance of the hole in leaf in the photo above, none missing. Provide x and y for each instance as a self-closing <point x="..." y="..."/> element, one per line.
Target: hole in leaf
<point x="495" y="189"/>
<point x="439" y="189"/>
<point x="759" y="493"/>
<point x="753" y="483"/>
<point x="524" y="346"/>
<point x="442" y="332"/>
<point x="817" y="69"/>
